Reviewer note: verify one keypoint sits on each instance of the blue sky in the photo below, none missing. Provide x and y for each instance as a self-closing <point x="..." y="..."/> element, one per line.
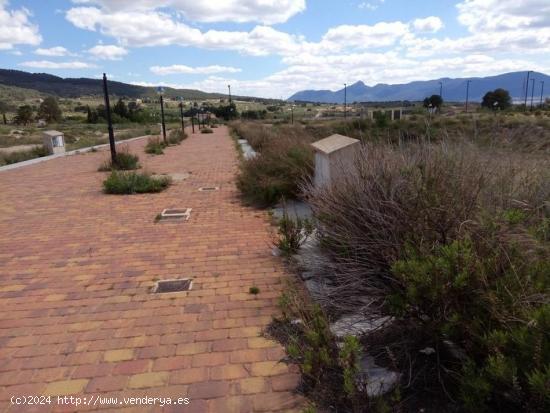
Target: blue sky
<point x="274" y="48"/>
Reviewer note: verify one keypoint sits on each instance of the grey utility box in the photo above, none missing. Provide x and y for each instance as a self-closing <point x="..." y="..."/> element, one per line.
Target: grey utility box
<point x="54" y="141"/>
<point x="333" y="156"/>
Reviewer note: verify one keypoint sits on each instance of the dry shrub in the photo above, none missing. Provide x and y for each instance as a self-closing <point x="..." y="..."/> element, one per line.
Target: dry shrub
<point x="446" y="238"/>
<point x="285" y="158"/>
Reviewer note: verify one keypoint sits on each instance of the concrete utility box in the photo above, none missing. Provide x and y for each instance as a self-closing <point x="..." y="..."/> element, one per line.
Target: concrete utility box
<point x="54" y="141"/>
<point x="333" y="155"/>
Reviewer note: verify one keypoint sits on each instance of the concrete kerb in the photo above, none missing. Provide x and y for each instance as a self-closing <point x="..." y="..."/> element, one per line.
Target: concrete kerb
<point x="70" y="153"/>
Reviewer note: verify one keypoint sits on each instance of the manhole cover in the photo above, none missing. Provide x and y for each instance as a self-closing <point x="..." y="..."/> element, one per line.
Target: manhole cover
<point x="208" y="188"/>
<point x="173" y="286"/>
<point x="175" y="213"/>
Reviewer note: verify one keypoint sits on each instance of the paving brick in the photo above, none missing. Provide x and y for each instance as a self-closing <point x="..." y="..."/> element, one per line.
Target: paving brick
<point x="146" y="380"/>
<point x="253" y="385"/>
<point x="208" y="389"/>
<point x="118" y="355"/>
<point x="65" y="387"/>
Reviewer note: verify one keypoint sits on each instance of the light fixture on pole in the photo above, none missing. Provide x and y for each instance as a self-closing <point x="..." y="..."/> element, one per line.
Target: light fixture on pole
<point x="532" y="92"/>
<point x="527" y="89"/>
<point x="467" y="93"/>
<point x="181" y="114"/>
<point x="160" y="92"/>
<point x="109" y="121"/>
<point x="345" y="101"/>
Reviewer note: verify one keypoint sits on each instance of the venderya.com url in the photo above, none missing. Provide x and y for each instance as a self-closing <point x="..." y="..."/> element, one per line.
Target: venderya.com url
<point x="98" y="400"/>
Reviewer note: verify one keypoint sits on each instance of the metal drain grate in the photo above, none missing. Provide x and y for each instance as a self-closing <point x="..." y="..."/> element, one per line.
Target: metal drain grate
<point x="173" y="286"/>
<point x="176" y="214"/>
<point x="209" y="188"/>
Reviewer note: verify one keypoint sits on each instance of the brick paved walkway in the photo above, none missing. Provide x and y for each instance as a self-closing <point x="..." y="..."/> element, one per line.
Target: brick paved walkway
<point x="77" y="315"/>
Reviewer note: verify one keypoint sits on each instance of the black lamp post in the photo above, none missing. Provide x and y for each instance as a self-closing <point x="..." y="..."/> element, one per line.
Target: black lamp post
<point x="527" y="89"/>
<point x="181" y="114"/>
<point x="160" y="91"/>
<point x="345" y="101"/>
<point x="467" y="93"/>
<point x="532" y="92"/>
<point x="229" y="88"/>
<point x="441" y="90"/>
<point x="109" y="121"/>
<point x="541" y="91"/>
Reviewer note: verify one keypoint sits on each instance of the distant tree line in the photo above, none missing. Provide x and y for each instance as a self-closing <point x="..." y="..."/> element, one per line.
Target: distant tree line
<point x="120" y="113"/>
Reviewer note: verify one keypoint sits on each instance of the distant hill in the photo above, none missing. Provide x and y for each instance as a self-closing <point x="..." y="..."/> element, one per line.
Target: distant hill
<point x="77" y="87"/>
<point x="454" y="90"/>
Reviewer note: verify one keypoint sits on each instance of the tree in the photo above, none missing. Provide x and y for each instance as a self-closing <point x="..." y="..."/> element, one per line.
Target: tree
<point x="92" y="116"/>
<point x="49" y="110"/>
<point x="120" y="109"/>
<point x="24" y="115"/>
<point x="3" y="110"/>
<point x="434" y="100"/>
<point x="497" y="99"/>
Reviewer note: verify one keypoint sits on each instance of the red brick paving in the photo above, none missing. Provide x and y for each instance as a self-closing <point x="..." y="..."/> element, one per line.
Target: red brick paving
<point x="76" y="270"/>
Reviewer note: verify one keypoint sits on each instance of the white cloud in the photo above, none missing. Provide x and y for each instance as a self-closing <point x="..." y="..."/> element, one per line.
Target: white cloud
<point x="141" y="29"/>
<point x="108" y="52"/>
<point x="52" y="51"/>
<point x="491" y="15"/>
<point x="46" y="64"/>
<point x="201" y="70"/>
<point x="430" y="24"/>
<point x="363" y="36"/>
<point x="370" y="5"/>
<point x="15" y="28"/>
<point x="235" y="11"/>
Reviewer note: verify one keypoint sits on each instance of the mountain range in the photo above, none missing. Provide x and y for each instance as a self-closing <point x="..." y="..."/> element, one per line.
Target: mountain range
<point x="454" y="90"/>
<point x="76" y="87"/>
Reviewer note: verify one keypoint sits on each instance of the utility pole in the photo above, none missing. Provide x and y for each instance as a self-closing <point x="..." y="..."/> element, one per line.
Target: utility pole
<point x="109" y="121"/>
<point x="193" y="123"/>
<point x="345" y="101"/>
<point x="532" y="93"/>
<point x="229" y="88"/>
<point x="441" y="90"/>
<point x="467" y="93"/>
<point x="541" y="91"/>
<point x="527" y="90"/>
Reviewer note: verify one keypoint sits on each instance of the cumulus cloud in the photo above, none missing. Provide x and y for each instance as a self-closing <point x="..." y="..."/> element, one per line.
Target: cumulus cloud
<point x="142" y="29"/>
<point x="108" y="52"/>
<point x="46" y="64"/>
<point x="15" y="28"/>
<point x="57" y="51"/>
<point x="188" y="70"/>
<point x="266" y="12"/>
<point x="429" y="24"/>
<point x="364" y="36"/>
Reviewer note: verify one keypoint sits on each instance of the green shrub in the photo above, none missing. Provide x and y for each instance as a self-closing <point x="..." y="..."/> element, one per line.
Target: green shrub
<point x="20" y="156"/>
<point x="292" y="233"/>
<point x="284" y="160"/>
<point x="123" y="182"/>
<point x="176" y="136"/>
<point x="125" y="161"/>
<point x="155" y="146"/>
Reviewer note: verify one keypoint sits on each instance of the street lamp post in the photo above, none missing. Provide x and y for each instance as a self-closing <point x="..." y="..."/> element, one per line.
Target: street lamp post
<point x="229" y="88"/>
<point x="345" y="101"/>
<point x="181" y="114"/>
<point x="109" y="121"/>
<point x="467" y="93"/>
<point x="532" y="93"/>
<point x="160" y="91"/>
<point x="441" y="90"/>
<point x="527" y="89"/>
<point x="541" y="91"/>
